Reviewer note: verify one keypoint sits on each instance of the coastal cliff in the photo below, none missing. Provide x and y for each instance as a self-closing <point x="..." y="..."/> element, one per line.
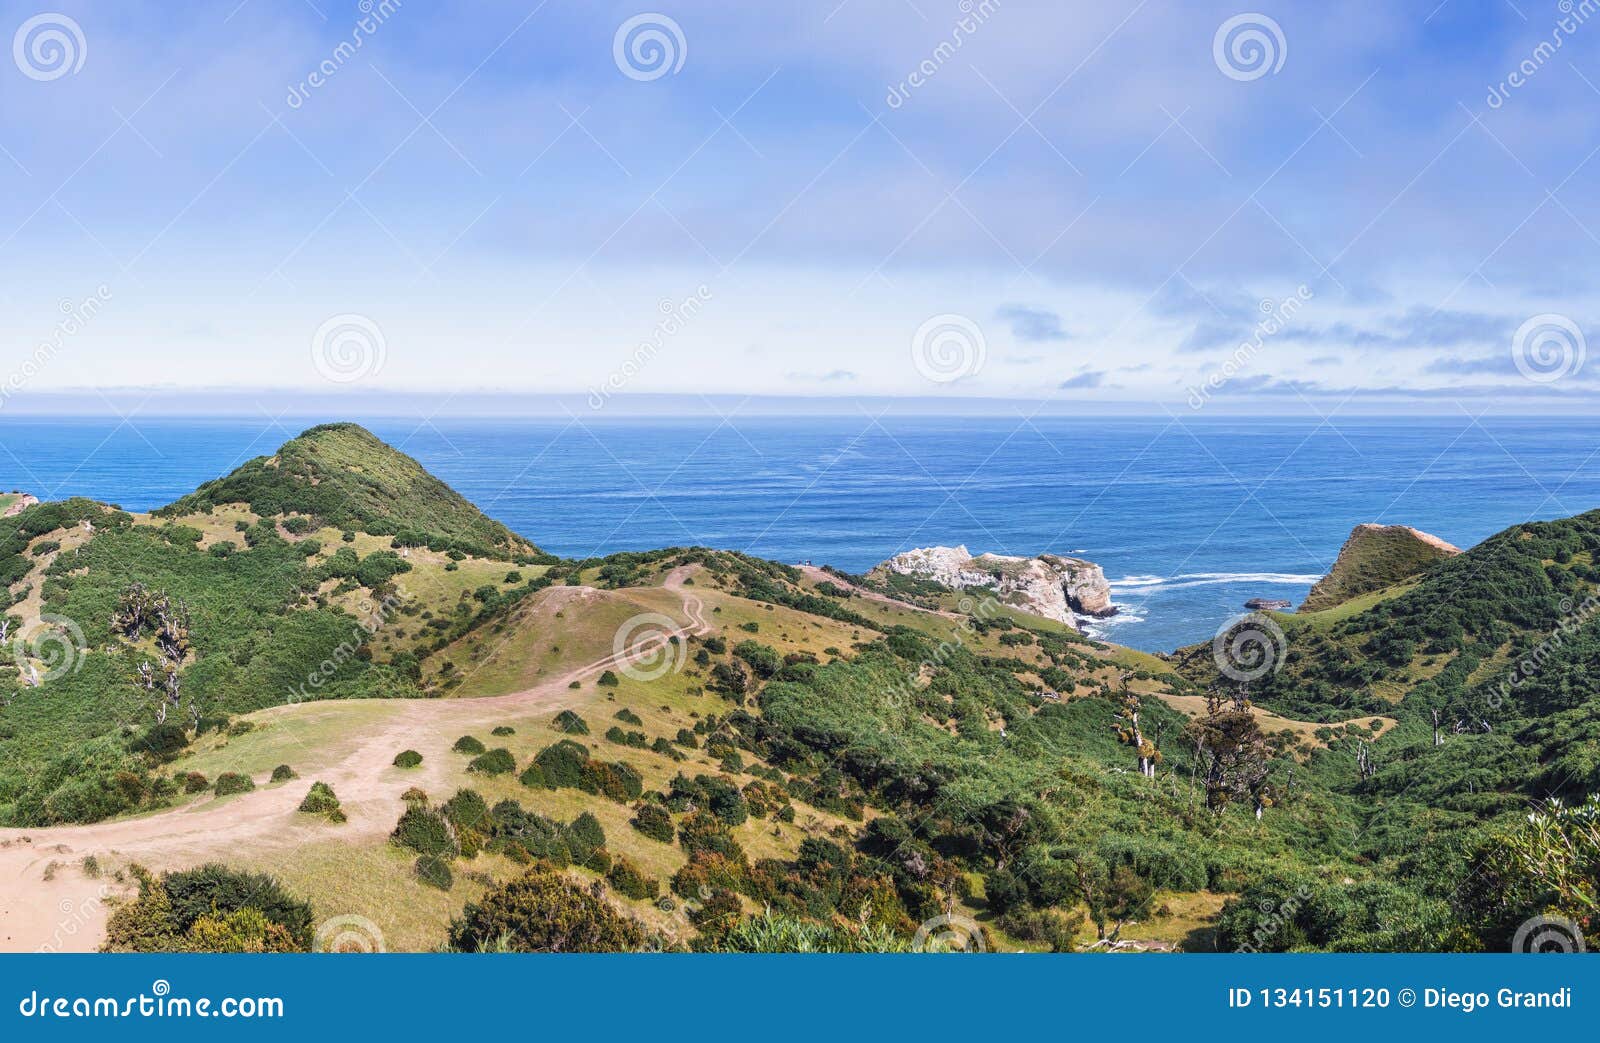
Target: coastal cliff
<point x="1374" y="557"/>
<point x="1049" y="585"/>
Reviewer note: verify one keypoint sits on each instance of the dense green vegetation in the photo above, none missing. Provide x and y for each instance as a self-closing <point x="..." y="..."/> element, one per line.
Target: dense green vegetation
<point x="341" y="475"/>
<point x="1062" y="790"/>
<point x="210" y="909"/>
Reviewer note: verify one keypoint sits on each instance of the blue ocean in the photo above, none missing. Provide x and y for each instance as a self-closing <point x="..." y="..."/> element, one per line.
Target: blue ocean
<point x="1189" y="518"/>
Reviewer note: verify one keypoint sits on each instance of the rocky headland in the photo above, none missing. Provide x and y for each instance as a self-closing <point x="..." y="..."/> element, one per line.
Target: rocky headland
<point x="1049" y="585"/>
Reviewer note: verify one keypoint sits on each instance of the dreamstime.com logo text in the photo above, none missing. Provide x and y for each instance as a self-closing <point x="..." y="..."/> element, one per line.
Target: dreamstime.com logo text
<point x="1274" y="317"/>
<point x="1574" y="15"/>
<point x="376" y="619"/>
<point x="974" y="13"/>
<point x="1574" y="617"/>
<point x="75" y="316"/>
<point x="374" y="13"/>
<point x="157" y="1003"/>
<point x="675" y="315"/>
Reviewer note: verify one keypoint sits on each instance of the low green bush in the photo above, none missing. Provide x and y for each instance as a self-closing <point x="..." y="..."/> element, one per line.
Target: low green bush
<point x="407" y="759"/>
<point x="320" y="800"/>
<point x="497" y="761"/>
<point x="570" y="723"/>
<point x="435" y="872"/>
<point x="629" y="880"/>
<point x="426" y="831"/>
<point x="653" y="821"/>
<point x="283" y="773"/>
<point x="467" y="744"/>
<point x="503" y="730"/>
<point x="230" y="782"/>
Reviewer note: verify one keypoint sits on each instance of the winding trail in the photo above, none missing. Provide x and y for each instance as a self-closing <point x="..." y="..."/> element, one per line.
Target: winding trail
<point x="47" y="902"/>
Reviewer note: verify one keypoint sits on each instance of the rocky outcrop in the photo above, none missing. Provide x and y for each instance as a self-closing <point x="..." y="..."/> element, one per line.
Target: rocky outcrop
<point x="22" y="502"/>
<point x="1375" y="557"/>
<point x="1049" y="585"/>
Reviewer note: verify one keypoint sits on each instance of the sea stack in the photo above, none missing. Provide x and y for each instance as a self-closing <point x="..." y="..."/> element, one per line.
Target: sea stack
<point x="1049" y="585"/>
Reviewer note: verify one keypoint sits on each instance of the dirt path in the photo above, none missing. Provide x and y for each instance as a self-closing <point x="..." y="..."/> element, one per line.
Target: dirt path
<point x="818" y="575"/>
<point x="47" y="902"/>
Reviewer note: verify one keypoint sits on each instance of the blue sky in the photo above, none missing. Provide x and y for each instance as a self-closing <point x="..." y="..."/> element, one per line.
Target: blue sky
<point x="1097" y="205"/>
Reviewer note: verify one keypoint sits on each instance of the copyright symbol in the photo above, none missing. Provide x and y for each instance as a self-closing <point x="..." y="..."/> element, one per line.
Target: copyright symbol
<point x="1407" y="997"/>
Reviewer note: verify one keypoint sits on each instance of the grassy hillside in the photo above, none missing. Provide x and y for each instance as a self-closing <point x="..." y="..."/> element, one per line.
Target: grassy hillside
<point x="341" y="475"/>
<point x="1373" y="558"/>
<point x="796" y="760"/>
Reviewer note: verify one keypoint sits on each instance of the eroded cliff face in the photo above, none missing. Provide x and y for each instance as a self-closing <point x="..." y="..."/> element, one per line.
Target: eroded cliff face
<point x="1049" y="585"/>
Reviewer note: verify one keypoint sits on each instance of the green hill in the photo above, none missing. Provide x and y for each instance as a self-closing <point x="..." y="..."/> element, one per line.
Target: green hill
<point x="798" y="743"/>
<point x="344" y="476"/>
<point x="1375" y="557"/>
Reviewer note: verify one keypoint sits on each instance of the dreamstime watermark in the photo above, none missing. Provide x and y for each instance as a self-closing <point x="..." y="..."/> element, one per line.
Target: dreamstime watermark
<point x="973" y="612"/>
<point x="1275" y="916"/>
<point x="49" y="46"/>
<point x="75" y="316"/>
<point x="376" y="618"/>
<point x="973" y="17"/>
<point x="1249" y="46"/>
<point x="1574" y="615"/>
<point x="76" y="916"/>
<point x="648" y="647"/>
<point x="950" y="932"/>
<point x="948" y="347"/>
<point x="374" y="13"/>
<point x="1547" y="934"/>
<point x="1548" y="348"/>
<point x="1274" y="318"/>
<point x="1248" y="647"/>
<point x="675" y="315"/>
<point x="348" y="347"/>
<point x="1573" y="17"/>
<point x="348" y="933"/>
<point x="157" y="1003"/>
<point x="649" y="46"/>
<point x="55" y="641"/>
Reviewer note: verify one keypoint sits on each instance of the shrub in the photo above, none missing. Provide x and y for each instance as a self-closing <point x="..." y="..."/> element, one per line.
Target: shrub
<point x="503" y="730"/>
<point x="194" y="782"/>
<point x="653" y="821"/>
<point x="561" y="765"/>
<point x="320" y="800"/>
<point x="467" y="744"/>
<point x="283" y="773"/>
<point x="230" y="782"/>
<point x="763" y="659"/>
<point x="426" y="831"/>
<point x="407" y="759"/>
<point x="497" y="761"/>
<point x="164" y="741"/>
<point x="468" y="810"/>
<point x="434" y="871"/>
<point x="570" y="723"/>
<point x="543" y="911"/>
<point x="216" y="890"/>
<point x="608" y="680"/>
<point x="414" y="793"/>
<point x="585" y="836"/>
<point x="627" y="716"/>
<point x="630" y="881"/>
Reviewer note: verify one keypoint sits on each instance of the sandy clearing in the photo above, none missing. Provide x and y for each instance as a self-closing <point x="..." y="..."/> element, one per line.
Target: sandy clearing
<point x="68" y="912"/>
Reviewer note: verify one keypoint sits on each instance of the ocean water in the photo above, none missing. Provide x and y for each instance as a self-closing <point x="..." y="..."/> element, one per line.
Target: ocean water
<point x="1188" y="517"/>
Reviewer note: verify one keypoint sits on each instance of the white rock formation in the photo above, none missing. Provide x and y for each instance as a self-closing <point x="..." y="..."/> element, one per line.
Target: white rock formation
<point x="1049" y="585"/>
